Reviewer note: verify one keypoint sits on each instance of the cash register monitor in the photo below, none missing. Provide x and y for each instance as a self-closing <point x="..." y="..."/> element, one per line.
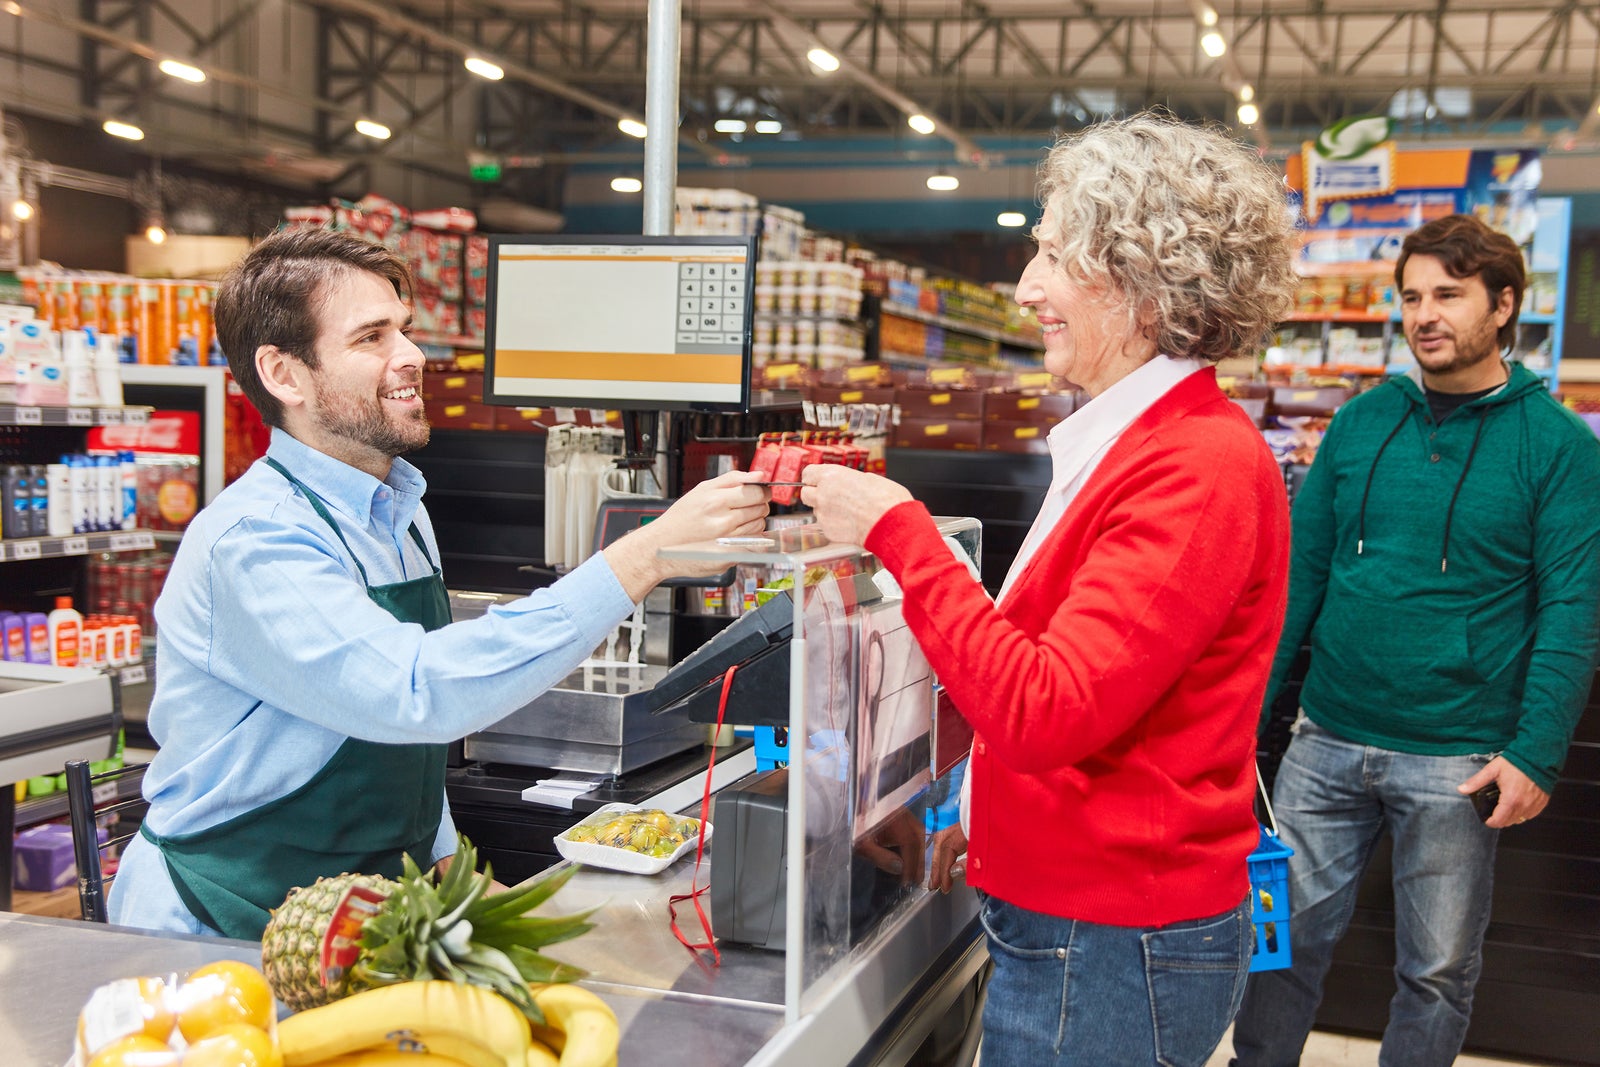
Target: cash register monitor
<point x="633" y="323"/>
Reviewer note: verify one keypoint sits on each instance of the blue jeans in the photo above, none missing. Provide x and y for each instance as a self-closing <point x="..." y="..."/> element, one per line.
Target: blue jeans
<point x="1334" y="800"/>
<point x="1068" y="992"/>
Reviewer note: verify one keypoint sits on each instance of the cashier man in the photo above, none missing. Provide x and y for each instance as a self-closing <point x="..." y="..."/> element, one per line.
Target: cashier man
<point x="309" y="674"/>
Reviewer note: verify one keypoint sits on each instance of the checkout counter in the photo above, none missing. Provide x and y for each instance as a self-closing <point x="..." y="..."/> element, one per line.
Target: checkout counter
<point x="853" y="966"/>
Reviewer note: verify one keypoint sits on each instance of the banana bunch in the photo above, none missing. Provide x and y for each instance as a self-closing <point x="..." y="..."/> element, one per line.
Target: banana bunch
<point x="445" y="1024"/>
<point x="579" y="1026"/>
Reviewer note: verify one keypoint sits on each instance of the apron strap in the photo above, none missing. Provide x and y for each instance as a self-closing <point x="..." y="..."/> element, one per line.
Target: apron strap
<point x="320" y="509"/>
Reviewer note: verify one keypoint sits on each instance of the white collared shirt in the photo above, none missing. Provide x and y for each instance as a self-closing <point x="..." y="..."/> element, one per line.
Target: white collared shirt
<point x="1081" y="440"/>
<point x="1077" y="445"/>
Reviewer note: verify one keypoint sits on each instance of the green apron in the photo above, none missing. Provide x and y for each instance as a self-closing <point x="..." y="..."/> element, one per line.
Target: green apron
<point x="366" y="807"/>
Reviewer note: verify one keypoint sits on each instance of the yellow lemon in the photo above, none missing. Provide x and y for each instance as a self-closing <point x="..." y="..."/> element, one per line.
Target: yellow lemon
<point x="222" y="993"/>
<point x="234" y="1045"/>
<point x="136" y="1051"/>
<point x="111" y="1002"/>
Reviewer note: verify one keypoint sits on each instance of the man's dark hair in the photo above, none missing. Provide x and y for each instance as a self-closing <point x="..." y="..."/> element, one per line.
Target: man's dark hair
<point x="1468" y="248"/>
<point x="274" y="296"/>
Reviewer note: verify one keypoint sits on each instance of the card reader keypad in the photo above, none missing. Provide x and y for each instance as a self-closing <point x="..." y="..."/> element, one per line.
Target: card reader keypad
<point x="712" y="298"/>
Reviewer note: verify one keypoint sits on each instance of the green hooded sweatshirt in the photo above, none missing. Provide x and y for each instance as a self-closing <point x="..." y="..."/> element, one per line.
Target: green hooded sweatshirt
<point x="1448" y="575"/>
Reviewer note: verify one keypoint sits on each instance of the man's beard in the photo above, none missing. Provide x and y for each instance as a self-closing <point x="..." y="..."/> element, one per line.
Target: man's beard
<point x="366" y="423"/>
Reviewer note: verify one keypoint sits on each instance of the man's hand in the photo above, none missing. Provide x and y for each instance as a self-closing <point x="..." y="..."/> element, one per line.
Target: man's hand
<point x="1520" y="798"/>
<point x="896" y="847"/>
<point x="848" y="503"/>
<point x="729" y="505"/>
<point x="949" y="845"/>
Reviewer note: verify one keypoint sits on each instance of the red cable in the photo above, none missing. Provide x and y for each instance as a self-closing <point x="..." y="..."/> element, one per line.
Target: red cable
<point x="696" y="889"/>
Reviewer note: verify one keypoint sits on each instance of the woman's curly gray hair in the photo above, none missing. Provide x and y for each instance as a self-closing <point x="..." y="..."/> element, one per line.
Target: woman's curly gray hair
<point x="1190" y="226"/>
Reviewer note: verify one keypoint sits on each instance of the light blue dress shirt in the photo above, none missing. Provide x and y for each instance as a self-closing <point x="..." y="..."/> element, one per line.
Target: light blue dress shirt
<point x="269" y="654"/>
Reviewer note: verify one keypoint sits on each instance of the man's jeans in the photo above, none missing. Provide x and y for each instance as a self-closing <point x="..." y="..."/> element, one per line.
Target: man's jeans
<point x="1066" y="992"/>
<point x="1334" y="799"/>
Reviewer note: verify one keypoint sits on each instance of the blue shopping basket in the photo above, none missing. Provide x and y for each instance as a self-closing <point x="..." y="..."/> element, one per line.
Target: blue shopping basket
<point x="1269" y="894"/>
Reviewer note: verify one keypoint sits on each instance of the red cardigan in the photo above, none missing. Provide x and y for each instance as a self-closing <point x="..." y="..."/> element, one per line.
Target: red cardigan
<point x="1115" y="694"/>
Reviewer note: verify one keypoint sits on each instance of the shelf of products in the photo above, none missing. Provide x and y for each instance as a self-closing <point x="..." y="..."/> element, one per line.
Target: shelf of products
<point x="905" y="311"/>
<point x="77" y="545"/>
<point x="36" y="415"/>
<point x="52" y="806"/>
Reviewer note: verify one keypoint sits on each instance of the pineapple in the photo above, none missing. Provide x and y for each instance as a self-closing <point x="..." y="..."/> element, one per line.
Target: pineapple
<point x="451" y="930"/>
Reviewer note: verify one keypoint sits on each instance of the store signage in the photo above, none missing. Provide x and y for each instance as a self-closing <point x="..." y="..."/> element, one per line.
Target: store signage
<point x="1369" y="174"/>
<point x="485" y="166"/>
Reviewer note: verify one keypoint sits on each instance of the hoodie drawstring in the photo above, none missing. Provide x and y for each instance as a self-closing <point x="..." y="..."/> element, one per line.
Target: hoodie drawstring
<point x="1361" y="526"/>
<point x="1444" y="550"/>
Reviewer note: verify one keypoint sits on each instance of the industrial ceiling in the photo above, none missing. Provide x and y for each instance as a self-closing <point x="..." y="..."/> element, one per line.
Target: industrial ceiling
<point x="285" y="80"/>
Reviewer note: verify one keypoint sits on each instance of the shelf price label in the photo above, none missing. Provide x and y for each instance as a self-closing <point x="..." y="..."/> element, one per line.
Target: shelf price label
<point x="80" y="417"/>
<point x="109" y="416"/>
<point x="135" y="416"/>
<point x="30" y="417"/>
<point x="104" y="793"/>
<point x="133" y="675"/>
<point x="25" y="550"/>
<point x="75" y="546"/>
<point x="127" y="542"/>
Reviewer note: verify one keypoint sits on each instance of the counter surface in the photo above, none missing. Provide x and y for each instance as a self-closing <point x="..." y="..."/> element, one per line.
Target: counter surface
<point x="672" y="1007"/>
<point x="48" y="968"/>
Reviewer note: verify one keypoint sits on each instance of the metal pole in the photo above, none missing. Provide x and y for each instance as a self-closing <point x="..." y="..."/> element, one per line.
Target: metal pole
<point x="661" y="115"/>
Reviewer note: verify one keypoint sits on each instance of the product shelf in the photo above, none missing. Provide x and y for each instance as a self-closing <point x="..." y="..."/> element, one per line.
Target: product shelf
<point x="444" y="340"/>
<point x="60" y="415"/>
<point x="77" y="545"/>
<point x="35" y="810"/>
<point x="905" y="311"/>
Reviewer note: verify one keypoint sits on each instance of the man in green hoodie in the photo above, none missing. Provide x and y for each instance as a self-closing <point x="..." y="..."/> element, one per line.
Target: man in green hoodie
<point x="1446" y="570"/>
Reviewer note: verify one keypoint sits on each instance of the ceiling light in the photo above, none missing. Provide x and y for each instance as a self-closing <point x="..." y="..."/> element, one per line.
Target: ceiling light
<point x="823" y="60"/>
<point x="1208" y="16"/>
<point x="730" y="126"/>
<point x="125" y="130"/>
<point x="182" y="71"/>
<point x="155" y="233"/>
<point x="921" y="123"/>
<point x="376" y="130"/>
<point x="626" y="185"/>
<point x="1213" y="45"/>
<point x="943" y="183"/>
<point x="21" y="210"/>
<point x="1248" y="113"/>
<point x="483" y="68"/>
<point x="1247" y="93"/>
<point x="632" y="127"/>
<point x="769" y="126"/>
<point x="13" y="8"/>
<point x="1011" y="218"/>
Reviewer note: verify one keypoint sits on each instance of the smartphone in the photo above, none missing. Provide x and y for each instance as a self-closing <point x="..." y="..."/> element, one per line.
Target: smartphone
<point x="1485" y="800"/>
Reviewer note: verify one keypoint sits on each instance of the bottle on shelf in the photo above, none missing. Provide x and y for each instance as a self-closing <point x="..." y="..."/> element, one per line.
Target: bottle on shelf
<point x="37" y="625"/>
<point x="39" y="500"/>
<point x="66" y="634"/>
<point x="17" y="503"/>
<point x="58" y="510"/>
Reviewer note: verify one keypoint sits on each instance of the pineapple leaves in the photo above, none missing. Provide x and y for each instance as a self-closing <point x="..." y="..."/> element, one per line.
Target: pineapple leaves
<point x="525" y="896"/>
<point x="535" y="931"/>
<point x="535" y="967"/>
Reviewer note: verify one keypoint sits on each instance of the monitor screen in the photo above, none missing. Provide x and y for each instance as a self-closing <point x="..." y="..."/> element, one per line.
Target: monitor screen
<point x="642" y="323"/>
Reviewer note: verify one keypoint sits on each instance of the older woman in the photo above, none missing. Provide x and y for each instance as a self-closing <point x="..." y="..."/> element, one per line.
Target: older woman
<point x="1115" y="685"/>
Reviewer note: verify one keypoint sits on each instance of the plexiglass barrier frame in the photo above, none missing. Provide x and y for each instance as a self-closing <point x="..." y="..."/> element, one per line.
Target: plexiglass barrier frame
<point x="858" y="685"/>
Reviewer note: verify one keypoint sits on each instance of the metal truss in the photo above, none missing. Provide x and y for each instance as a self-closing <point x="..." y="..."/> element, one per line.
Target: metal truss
<point x="1018" y="67"/>
<point x="1473" y="69"/>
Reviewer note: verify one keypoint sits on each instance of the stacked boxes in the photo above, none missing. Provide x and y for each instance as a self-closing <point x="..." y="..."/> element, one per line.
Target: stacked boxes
<point x="448" y="262"/>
